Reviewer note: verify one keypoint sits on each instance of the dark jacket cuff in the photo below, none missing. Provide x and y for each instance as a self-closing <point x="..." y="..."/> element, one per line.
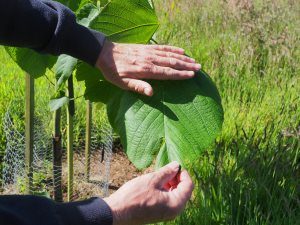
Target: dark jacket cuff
<point x="94" y="211"/>
<point x="72" y="38"/>
<point x="82" y="43"/>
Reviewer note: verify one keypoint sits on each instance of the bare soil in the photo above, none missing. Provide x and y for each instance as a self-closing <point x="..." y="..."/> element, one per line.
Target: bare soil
<point x="121" y="171"/>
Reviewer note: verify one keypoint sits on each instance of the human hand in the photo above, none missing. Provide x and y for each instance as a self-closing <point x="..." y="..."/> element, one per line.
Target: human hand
<point x="127" y="65"/>
<point x="154" y="197"/>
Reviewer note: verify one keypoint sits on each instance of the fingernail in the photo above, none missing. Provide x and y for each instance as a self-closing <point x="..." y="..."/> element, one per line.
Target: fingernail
<point x="148" y="91"/>
<point x="191" y="73"/>
<point x="198" y="66"/>
<point x="174" y="165"/>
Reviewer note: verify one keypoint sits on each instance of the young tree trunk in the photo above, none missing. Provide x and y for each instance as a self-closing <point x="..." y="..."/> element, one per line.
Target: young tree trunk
<point x="70" y="116"/>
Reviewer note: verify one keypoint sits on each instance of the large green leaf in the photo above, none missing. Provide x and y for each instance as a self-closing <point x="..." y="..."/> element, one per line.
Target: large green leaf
<point x="30" y="61"/>
<point x="130" y="21"/>
<point x="178" y="122"/>
<point x="181" y="120"/>
<point x="87" y="73"/>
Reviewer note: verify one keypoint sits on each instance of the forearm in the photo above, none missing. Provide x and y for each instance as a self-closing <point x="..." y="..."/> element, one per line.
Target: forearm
<point x="48" y="27"/>
<point x="21" y="210"/>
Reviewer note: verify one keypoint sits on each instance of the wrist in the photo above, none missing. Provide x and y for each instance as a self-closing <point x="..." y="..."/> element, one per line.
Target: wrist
<point x="114" y="209"/>
<point x="105" y="54"/>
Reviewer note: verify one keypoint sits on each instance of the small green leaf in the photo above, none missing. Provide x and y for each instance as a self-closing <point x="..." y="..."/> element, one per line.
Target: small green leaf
<point x="55" y="104"/>
<point x="64" y="68"/>
<point x="87" y="14"/>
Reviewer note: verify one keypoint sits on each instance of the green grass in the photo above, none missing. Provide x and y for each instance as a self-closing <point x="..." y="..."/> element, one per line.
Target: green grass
<point x="9" y="88"/>
<point x="252" y="174"/>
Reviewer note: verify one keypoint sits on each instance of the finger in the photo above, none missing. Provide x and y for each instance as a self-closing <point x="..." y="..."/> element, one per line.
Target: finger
<point x="167" y="48"/>
<point x="138" y="86"/>
<point x="185" y="187"/>
<point x="174" y="182"/>
<point x="176" y="64"/>
<point x="165" y="73"/>
<point x="175" y="56"/>
<point x="166" y="173"/>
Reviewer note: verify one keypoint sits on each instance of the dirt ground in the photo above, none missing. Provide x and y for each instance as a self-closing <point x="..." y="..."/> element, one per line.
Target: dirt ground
<point x="121" y="171"/>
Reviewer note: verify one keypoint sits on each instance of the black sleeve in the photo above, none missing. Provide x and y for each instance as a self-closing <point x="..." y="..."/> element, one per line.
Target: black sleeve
<point x="48" y="27"/>
<point x="33" y="210"/>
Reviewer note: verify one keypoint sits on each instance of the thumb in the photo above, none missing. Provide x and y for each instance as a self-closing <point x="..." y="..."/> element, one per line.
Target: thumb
<point x="166" y="173"/>
<point x="138" y="86"/>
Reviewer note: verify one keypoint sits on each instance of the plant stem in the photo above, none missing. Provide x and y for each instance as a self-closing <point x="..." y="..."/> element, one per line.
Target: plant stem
<point x="153" y="6"/>
<point x="57" y="157"/>
<point x="154" y="41"/>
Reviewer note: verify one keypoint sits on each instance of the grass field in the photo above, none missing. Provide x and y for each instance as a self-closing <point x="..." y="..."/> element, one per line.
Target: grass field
<point x="251" y="50"/>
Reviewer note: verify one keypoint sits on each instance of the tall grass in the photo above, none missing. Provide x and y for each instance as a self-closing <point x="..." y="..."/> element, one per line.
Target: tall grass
<point x="251" y="50"/>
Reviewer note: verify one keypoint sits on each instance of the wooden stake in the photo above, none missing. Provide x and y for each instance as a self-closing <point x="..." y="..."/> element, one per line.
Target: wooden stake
<point x="88" y="139"/>
<point x="29" y="131"/>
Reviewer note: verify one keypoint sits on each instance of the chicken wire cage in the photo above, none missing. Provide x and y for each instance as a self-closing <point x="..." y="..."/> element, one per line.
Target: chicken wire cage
<point x="45" y="175"/>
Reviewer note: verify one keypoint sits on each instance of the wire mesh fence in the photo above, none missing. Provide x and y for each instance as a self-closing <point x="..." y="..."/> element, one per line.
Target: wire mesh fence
<point x="47" y="176"/>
